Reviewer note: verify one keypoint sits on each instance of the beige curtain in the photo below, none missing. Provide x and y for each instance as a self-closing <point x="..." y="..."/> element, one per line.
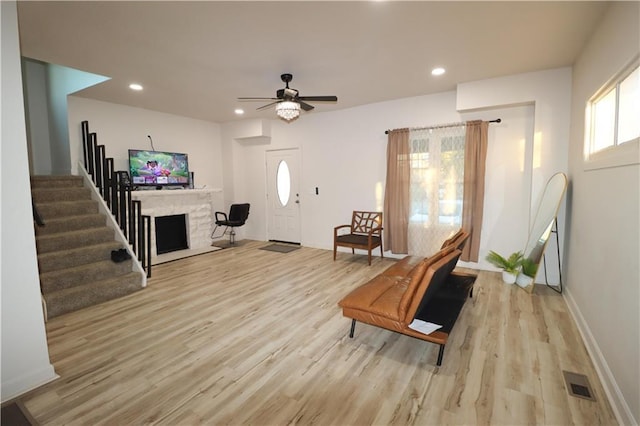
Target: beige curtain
<point x="474" y="171"/>
<point x="396" y="193"/>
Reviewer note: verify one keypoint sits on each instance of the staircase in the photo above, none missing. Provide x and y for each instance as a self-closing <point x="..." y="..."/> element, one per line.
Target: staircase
<point x="74" y="248"/>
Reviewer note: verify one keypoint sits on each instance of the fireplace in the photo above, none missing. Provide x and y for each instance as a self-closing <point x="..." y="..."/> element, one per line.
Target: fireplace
<point x="197" y="204"/>
<point x="171" y="233"/>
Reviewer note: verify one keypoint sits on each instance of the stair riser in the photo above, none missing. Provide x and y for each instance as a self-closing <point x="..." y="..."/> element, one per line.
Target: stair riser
<point x="55" y="261"/>
<point x="65" y="209"/>
<point x="65" y="194"/>
<point x="72" y="240"/>
<point x="76" y="298"/>
<point x="72" y="277"/>
<point x="48" y="182"/>
<point x="76" y="223"/>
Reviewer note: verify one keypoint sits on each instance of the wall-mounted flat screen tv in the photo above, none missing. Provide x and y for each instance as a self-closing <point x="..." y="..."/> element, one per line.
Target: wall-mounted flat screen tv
<point x="158" y="168"/>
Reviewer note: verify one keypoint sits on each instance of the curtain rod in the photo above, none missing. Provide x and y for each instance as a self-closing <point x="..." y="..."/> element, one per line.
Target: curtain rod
<point x="497" y="120"/>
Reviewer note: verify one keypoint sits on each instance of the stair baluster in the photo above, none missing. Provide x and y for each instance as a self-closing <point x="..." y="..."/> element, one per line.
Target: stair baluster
<point x="115" y="188"/>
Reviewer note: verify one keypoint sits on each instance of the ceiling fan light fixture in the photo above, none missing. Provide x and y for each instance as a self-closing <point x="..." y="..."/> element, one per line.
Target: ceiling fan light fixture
<point x="288" y="110"/>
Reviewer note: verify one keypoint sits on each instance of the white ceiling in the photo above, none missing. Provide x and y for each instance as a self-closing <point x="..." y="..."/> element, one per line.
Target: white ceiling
<point x="195" y="58"/>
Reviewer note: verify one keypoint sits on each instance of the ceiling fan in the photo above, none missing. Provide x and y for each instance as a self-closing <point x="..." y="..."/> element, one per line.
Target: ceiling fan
<point x="288" y="101"/>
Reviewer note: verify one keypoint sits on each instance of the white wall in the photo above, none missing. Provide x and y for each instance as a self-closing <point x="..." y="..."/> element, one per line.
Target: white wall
<point x="344" y="155"/>
<point x="38" y="137"/>
<point x="46" y="89"/>
<point x="546" y="149"/>
<point x="62" y="81"/>
<point x="25" y="357"/>
<point x="505" y="221"/>
<point x="120" y="128"/>
<point x="603" y="280"/>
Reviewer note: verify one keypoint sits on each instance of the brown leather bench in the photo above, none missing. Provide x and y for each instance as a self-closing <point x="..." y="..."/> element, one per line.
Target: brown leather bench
<point x="426" y="289"/>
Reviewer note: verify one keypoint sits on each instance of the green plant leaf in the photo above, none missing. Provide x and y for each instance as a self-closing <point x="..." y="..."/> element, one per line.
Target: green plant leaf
<point x="510" y="264"/>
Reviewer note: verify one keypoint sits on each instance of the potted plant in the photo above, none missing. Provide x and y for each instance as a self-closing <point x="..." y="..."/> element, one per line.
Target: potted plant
<point x="528" y="272"/>
<point x="509" y="266"/>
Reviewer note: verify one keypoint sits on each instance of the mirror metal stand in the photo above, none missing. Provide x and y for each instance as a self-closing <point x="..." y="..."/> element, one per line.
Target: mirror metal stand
<point x="554" y="230"/>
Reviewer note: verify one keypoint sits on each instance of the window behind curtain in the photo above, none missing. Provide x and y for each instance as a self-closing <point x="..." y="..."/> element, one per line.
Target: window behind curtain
<point x="437" y="180"/>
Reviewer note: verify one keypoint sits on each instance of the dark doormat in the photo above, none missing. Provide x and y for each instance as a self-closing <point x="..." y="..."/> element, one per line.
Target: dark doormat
<point x="16" y="414"/>
<point x="280" y="248"/>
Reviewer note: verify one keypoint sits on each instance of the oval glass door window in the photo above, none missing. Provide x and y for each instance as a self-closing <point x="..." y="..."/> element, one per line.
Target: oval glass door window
<point x="283" y="183"/>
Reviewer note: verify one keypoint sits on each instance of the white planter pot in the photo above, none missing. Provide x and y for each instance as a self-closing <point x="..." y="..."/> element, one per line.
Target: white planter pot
<point x="524" y="281"/>
<point x="508" y="277"/>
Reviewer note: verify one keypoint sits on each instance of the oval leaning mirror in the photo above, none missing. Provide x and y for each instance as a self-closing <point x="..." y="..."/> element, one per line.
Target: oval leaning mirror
<point x="541" y="230"/>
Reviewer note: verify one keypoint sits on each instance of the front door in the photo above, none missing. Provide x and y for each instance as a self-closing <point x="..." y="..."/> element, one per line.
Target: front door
<point x="283" y="201"/>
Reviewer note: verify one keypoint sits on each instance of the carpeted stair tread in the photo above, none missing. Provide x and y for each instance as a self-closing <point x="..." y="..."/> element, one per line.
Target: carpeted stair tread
<point x="71" y="223"/>
<point x="74" y="239"/>
<point x="46" y="195"/>
<point x="75" y="298"/>
<point x="56" y="181"/>
<point x="63" y="259"/>
<point x="82" y="274"/>
<point x="60" y="209"/>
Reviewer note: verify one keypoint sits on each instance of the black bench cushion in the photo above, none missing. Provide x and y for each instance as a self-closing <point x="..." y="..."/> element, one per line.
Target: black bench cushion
<point x="444" y="307"/>
<point x="436" y="282"/>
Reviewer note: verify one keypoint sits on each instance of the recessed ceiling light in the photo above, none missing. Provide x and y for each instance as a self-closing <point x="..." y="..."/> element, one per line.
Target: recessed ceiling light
<point x="135" y="86"/>
<point x="437" y="71"/>
<point x="239" y="111"/>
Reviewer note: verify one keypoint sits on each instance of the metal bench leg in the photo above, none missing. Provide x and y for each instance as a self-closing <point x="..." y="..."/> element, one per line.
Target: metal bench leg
<point x="440" y="354"/>
<point x="353" y="328"/>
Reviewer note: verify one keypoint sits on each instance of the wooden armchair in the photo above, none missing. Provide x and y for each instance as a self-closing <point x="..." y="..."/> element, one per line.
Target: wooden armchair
<point x="365" y="232"/>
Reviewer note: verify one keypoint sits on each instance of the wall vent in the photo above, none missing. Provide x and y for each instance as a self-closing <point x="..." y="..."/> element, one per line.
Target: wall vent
<point x="578" y="385"/>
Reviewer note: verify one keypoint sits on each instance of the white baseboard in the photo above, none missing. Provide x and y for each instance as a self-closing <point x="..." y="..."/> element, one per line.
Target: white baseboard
<point x="616" y="399"/>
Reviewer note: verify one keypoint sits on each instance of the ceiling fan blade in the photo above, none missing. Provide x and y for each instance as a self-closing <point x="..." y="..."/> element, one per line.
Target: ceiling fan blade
<point x="257" y="99"/>
<point x="319" y="98"/>
<point x="305" y="106"/>
<point x="267" y="105"/>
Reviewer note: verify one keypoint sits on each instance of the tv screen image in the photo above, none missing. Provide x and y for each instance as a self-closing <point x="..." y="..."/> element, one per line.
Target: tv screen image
<point x="158" y="168"/>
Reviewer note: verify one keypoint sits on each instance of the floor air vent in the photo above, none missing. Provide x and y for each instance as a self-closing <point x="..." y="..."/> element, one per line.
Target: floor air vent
<point x="578" y="385"/>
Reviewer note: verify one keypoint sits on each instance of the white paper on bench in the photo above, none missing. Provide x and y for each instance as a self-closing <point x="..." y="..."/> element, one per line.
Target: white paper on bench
<point x="423" y="326"/>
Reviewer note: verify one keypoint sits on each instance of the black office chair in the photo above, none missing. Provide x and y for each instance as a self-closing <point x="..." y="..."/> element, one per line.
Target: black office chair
<point x="238" y="215"/>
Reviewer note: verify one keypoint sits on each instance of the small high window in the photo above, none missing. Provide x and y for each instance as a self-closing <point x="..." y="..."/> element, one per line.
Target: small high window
<point x="613" y="117"/>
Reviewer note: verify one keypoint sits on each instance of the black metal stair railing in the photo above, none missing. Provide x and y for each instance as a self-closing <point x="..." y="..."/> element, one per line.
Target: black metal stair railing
<point x="115" y="189"/>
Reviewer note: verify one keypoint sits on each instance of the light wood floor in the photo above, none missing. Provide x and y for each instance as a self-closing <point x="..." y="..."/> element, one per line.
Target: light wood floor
<point x="247" y="336"/>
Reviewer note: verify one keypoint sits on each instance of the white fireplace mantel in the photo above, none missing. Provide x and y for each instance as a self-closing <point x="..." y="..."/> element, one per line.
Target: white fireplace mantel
<point x="199" y="205"/>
